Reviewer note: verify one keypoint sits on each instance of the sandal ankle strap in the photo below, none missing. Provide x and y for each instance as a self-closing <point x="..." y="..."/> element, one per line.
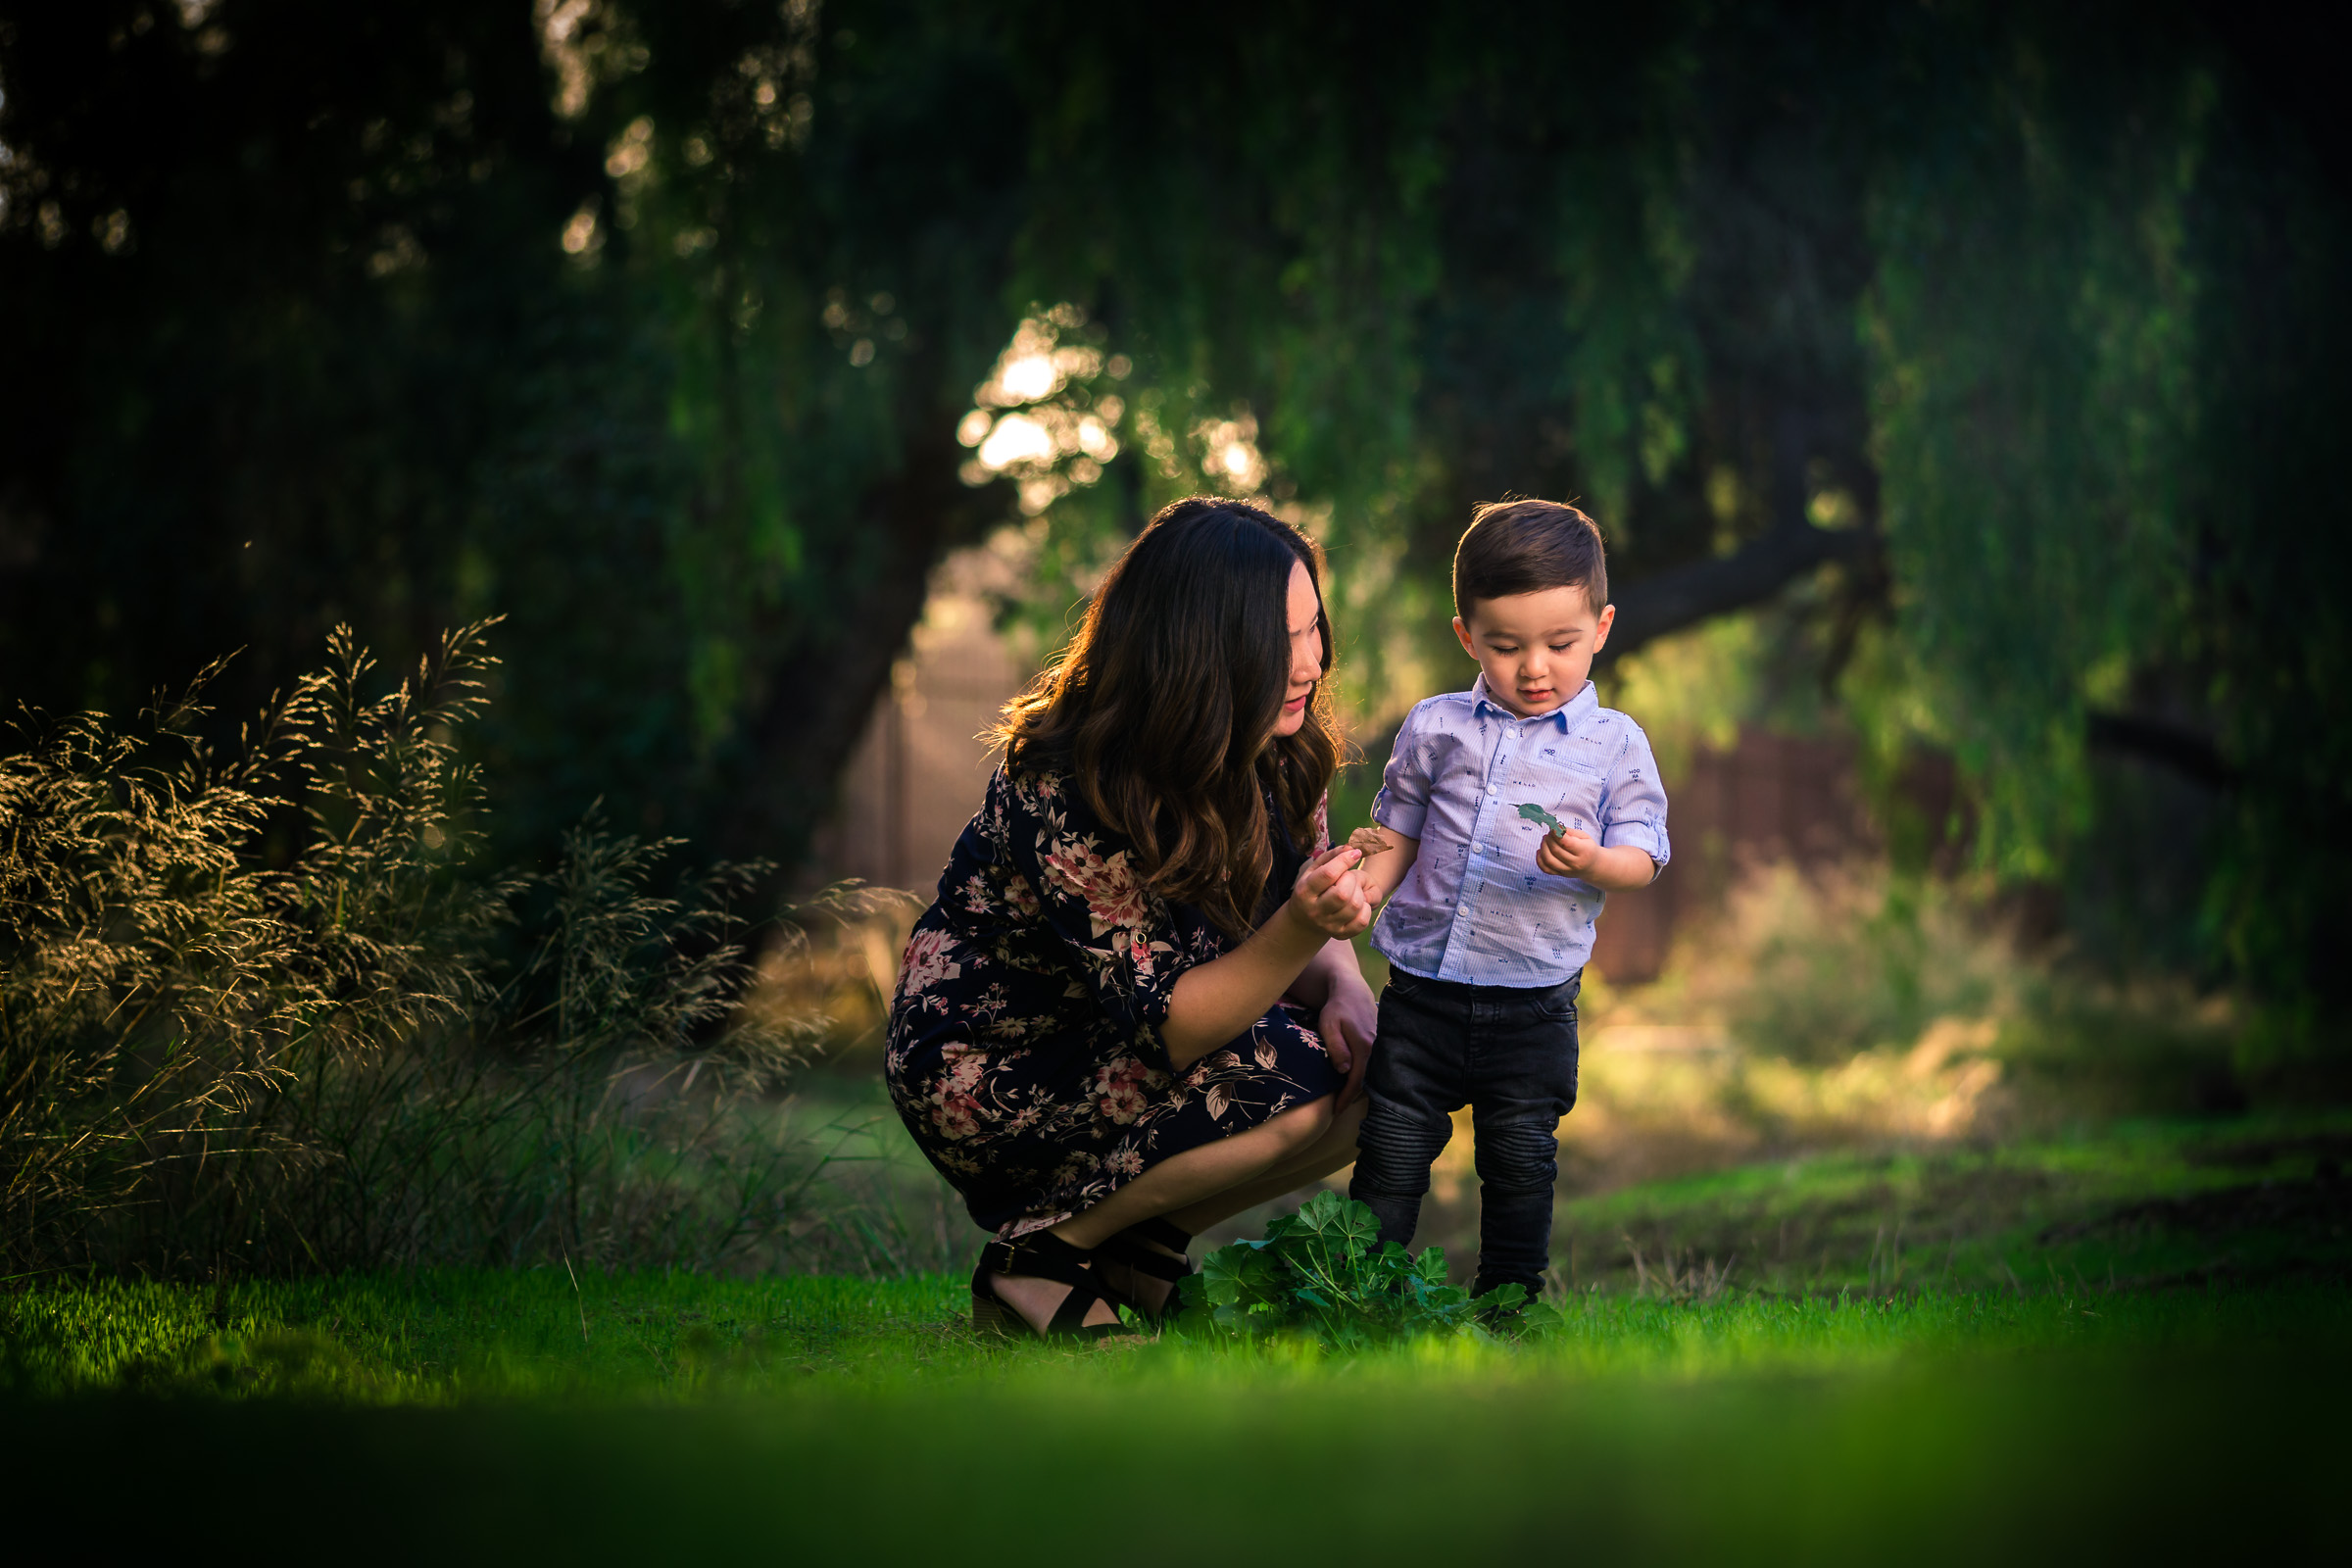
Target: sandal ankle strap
<point x="1163" y="1230"/>
<point x="1043" y="1256"/>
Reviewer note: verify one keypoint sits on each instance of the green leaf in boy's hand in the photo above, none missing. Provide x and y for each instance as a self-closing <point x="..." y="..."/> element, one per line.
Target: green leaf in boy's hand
<point x="1537" y="813"/>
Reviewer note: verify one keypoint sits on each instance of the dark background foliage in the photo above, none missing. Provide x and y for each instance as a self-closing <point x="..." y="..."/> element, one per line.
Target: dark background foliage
<point x="2010" y="338"/>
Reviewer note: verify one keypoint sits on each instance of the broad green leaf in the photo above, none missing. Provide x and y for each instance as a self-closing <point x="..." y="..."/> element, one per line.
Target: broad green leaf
<point x="1318" y="1272"/>
<point x="1358" y="1224"/>
<point x="1542" y="1317"/>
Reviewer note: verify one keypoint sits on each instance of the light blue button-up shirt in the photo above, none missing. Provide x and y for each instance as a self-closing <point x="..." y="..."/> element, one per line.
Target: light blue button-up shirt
<point x="1475" y="908"/>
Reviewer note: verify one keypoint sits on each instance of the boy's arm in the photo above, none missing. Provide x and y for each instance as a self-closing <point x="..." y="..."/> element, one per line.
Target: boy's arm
<point x="1631" y="848"/>
<point x="1611" y="867"/>
<point x="1404" y="800"/>
<point x="1384" y="869"/>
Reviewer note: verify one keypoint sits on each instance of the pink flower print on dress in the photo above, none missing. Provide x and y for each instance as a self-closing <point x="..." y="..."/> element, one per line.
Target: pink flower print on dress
<point x="1119" y="1090"/>
<point x="1137" y="951"/>
<point x="1115" y="899"/>
<point x="926" y="962"/>
<point x="957" y="1115"/>
<point x="964" y="1066"/>
<point x="975" y="894"/>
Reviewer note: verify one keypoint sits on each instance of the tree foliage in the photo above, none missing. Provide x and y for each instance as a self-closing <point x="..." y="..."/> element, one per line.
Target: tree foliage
<point x="2009" y="336"/>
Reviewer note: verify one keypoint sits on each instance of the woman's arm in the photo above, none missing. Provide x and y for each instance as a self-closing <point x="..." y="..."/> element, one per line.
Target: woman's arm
<point x="1329" y="971"/>
<point x="1214" y="1002"/>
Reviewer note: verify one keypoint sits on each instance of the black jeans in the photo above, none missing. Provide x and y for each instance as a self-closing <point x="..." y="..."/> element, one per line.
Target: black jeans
<point x="1509" y="1054"/>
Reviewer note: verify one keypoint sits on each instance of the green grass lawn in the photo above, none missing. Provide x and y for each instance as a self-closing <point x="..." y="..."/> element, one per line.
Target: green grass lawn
<point x="2132" y="1205"/>
<point x="2011" y="1402"/>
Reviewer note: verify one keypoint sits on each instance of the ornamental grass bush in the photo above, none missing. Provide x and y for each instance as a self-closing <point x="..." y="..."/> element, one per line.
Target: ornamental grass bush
<point x="262" y="1008"/>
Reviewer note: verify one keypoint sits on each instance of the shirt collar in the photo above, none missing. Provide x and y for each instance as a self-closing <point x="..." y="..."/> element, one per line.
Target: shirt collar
<point x="1567" y="715"/>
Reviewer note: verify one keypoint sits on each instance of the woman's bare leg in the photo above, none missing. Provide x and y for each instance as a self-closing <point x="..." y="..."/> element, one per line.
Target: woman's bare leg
<point x="1185" y="1179"/>
<point x="1335" y="1150"/>
<point x="1297" y="1138"/>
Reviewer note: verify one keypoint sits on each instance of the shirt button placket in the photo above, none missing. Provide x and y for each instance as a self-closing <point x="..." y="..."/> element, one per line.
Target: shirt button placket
<point x="1491" y="805"/>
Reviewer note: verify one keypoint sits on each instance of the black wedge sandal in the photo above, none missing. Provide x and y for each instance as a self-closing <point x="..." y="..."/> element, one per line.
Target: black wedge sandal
<point x="1045" y="1257"/>
<point x="1129" y="1249"/>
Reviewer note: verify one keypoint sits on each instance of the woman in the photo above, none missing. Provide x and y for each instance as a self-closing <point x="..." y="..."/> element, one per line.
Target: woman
<point x="1099" y="1036"/>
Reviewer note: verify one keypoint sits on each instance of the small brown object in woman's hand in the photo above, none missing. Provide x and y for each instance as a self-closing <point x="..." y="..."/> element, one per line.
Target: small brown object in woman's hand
<point x="1367" y="842"/>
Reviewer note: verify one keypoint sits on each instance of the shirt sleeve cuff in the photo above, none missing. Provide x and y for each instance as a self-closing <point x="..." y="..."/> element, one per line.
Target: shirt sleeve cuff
<point x="1643" y="836"/>
<point x="1399" y="816"/>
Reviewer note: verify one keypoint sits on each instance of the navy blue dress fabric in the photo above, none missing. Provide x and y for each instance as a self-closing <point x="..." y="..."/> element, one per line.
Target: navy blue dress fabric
<point x="1024" y="1042"/>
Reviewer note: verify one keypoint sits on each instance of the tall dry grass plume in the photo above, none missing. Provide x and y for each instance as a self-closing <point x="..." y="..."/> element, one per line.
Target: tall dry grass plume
<point x="268" y="1010"/>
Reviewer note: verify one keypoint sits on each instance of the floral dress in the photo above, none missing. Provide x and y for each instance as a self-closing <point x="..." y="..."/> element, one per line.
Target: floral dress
<point x="1025" y="1051"/>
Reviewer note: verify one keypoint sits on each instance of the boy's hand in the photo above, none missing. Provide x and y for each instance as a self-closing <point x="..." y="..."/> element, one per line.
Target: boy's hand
<point x="1613" y="868"/>
<point x="1568" y="853"/>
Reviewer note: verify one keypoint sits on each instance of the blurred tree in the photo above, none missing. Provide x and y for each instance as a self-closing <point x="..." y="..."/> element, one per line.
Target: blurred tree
<point x="405" y="315"/>
<point x="2010" y="337"/>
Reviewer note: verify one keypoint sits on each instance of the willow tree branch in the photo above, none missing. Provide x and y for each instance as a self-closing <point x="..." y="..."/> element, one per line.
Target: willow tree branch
<point x="1660" y="605"/>
<point x="1655" y="606"/>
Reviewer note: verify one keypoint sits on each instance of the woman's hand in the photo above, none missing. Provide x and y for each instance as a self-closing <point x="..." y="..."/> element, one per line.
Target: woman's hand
<point x="1216" y="1000"/>
<point x="1329" y="896"/>
<point x="1349" y="1022"/>
<point x="1347" y="1017"/>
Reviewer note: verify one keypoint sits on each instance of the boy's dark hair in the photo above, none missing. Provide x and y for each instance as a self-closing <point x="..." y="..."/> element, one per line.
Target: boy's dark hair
<point x="1524" y="547"/>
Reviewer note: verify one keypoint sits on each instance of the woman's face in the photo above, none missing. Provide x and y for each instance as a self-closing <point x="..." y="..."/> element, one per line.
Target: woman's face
<point x="1307" y="651"/>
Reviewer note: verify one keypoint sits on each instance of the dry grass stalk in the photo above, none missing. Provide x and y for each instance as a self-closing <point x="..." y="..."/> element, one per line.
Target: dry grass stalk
<point x="268" y="1009"/>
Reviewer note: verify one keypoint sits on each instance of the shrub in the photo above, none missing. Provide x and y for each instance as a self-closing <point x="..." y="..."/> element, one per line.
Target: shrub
<point x="1318" y="1272"/>
<point x="267" y="1011"/>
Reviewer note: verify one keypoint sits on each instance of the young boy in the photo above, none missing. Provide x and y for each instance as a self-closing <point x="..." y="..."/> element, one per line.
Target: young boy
<point x="1491" y="915"/>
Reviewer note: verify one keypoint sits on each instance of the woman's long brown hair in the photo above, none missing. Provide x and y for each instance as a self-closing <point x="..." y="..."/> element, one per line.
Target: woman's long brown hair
<point x="1162" y="709"/>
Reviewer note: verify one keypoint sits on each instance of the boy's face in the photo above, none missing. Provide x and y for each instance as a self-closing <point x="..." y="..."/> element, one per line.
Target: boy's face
<point x="1536" y="649"/>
